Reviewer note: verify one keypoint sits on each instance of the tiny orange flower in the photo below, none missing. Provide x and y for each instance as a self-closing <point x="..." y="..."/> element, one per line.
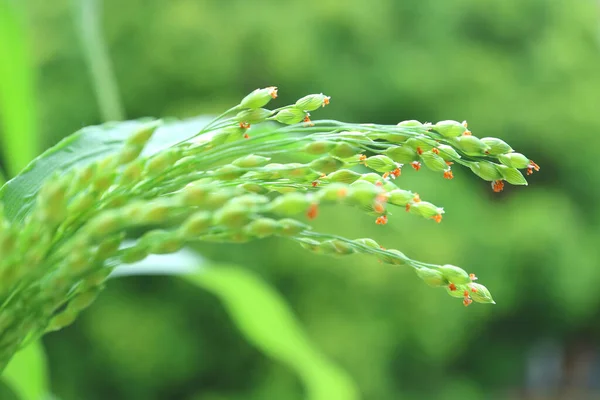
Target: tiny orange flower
<point x="362" y="158"/>
<point x="416" y="165"/>
<point x="497" y="186"/>
<point x="467" y="301"/>
<point x="378" y="208"/>
<point x="379" y="183"/>
<point x="419" y="151"/>
<point x="466" y="293"/>
<point x="326" y="100"/>
<point x="407" y="207"/>
<point x="435" y="150"/>
<point x="313" y="211"/>
<point x="396" y="173"/>
<point x="449" y="163"/>
<point x="307" y="120"/>
<point x="244" y="125"/>
<point x="533" y="165"/>
<point x="417" y="198"/>
<point x="437" y="218"/>
<point x="473" y="289"/>
<point x="381" y="220"/>
<point x="272" y="92"/>
<point x="467" y="133"/>
<point x="448" y="174"/>
<point x="452" y="287"/>
<point x="473" y="277"/>
<point x="386" y="175"/>
<point x="382" y="198"/>
<point x="246" y="136"/>
<point x="315" y="183"/>
<point x="342" y="193"/>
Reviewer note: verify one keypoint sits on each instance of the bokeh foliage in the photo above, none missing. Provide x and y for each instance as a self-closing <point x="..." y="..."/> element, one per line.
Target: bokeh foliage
<point x="525" y="71"/>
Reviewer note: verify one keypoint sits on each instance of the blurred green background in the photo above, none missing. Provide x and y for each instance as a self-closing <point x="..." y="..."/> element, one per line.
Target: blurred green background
<point x="527" y="71"/>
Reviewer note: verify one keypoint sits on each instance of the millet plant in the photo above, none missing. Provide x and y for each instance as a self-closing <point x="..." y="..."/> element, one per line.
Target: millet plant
<point x="168" y="183"/>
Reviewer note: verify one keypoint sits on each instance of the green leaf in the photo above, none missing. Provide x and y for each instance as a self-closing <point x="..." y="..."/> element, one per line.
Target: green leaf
<point x="268" y="323"/>
<point x="27" y="373"/>
<point x="82" y="148"/>
<point x="18" y="116"/>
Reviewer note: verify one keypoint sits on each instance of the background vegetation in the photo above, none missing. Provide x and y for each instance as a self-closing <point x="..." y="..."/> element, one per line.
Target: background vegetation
<point x="524" y="71"/>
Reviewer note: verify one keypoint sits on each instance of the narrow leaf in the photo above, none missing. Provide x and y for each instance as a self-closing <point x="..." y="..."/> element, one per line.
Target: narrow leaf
<point x="27" y="373"/>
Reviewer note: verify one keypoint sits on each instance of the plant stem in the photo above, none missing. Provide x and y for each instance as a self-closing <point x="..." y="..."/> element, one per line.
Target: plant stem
<point x="87" y="18"/>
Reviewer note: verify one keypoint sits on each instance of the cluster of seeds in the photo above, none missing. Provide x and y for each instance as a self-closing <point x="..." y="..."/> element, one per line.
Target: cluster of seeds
<point x="232" y="182"/>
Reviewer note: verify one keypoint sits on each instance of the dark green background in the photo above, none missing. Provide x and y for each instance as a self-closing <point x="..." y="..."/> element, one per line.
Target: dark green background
<point x="525" y="71"/>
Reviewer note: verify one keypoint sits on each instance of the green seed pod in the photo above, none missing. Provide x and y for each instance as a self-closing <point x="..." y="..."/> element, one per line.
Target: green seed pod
<point x="82" y="202"/>
<point x="290" y="116"/>
<point x="105" y="223"/>
<point x="196" y="224"/>
<point x="133" y="171"/>
<point x="253" y="116"/>
<point x="319" y="147"/>
<point x="61" y="320"/>
<point x="229" y="172"/>
<point x="83" y="300"/>
<point x="390" y="137"/>
<point x="232" y="216"/>
<point x="368" y="242"/>
<point x="312" y="102"/>
<point x="455" y="274"/>
<point x="486" y="170"/>
<point x="458" y="292"/>
<point x="217" y="199"/>
<point x="326" y="165"/>
<point x="400" y="197"/>
<point x="426" y="209"/>
<point x="363" y="193"/>
<point x="449" y="128"/>
<point x="310" y="244"/>
<point x="447" y="152"/>
<point x="261" y="227"/>
<point x="481" y="295"/>
<point x="410" y="123"/>
<point x="333" y="192"/>
<point x="251" y="161"/>
<point x="161" y="161"/>
<point x="432" y="277"/>
<point x="196" y="194"/>
<point x="108" y="247"/>
<point x="421" y="142"/>
<point x="343" y="176"/>
<point x="297" y="172"/>
<point x="381" y="163"/>
<point x="512" y="175"/>
<point x="344" y="150"/>
<point x="290" y="204"/>
<point x="254" y="188"/>
<point x="161" y="242"/>
<point x="514" y="160"/>
<point x="396" y="257"/>
<point x="95" y="279"/>
<point x="434" y="162"/>
<point x="227" y="135"/>
<point x="371" y="177"/>
<point x="402" y="154"/>
<point x="290" y="227"/>
<point x="342" y="248"/>
<point x="471" y="145"/>
<point x="142" y="135"/>
<point x="250" y="201"/>
<point x="134" y="254"/>
<point x="128" y="154"/>
<point x="259" y="97"/>
<point x="155" y="212"/>
<point x="497" y="146"/>
<point x="103" y="182"/>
